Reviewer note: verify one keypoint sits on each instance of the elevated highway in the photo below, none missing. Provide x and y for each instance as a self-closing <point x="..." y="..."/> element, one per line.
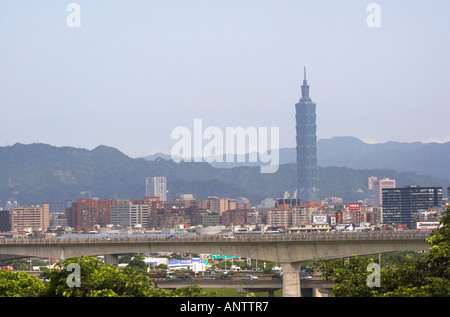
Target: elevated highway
<point x="289" y="250"/>
<point x="316" y="287"/>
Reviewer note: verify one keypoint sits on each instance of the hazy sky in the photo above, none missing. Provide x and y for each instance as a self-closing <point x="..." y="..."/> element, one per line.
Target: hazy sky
<point x="135" y="70"/>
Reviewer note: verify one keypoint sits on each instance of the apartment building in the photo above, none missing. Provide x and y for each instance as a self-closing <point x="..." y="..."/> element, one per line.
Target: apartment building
<point x="88" y="212"/>
<point x="125" y="213"/>
<point x="30" y="217"/>
<point x="157" y="187"/>
<point x="169" y="219"/>
<point x="239" y="217"/>
<point x="280" y="216"/>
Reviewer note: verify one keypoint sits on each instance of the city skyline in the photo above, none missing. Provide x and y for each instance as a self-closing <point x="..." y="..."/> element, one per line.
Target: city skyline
<point x="150" y="67"/>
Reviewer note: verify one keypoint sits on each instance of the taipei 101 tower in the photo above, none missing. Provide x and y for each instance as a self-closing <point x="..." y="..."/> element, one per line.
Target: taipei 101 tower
<point x="305" y="118"/>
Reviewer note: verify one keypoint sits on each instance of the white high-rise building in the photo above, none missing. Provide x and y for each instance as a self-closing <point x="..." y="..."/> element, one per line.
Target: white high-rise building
<point x="156" y="187"/>
<point x="126" y="214"/>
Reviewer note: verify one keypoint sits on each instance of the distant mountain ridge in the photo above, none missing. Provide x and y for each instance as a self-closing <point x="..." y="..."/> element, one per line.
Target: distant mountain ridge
<point x="421" y="158"/>
<point x="36" y="173"/>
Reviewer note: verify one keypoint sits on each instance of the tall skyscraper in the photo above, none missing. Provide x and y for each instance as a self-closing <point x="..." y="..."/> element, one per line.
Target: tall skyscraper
<point x="305" y="118"/>
<point x="156" y="187"/>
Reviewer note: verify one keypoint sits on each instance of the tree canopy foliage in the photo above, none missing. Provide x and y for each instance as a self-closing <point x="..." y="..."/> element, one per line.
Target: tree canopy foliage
<point x="88" y="277"/>
<point x="19" y="284"/>
<point x="426" y="276"/>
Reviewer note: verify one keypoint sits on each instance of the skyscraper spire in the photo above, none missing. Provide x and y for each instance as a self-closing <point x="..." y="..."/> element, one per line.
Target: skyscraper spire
<point x="305" y="87"/>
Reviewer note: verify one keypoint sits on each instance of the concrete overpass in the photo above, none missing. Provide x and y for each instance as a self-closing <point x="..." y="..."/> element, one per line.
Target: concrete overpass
<point x="312" y="287"/>
<point x="288" y="249"/>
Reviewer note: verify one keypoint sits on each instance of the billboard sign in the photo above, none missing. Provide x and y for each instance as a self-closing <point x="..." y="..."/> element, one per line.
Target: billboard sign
<point x="333" y="220"/>
<point x="339" y="217"/>
<point x="354" y="206"/>
<point x="427" y="225"/>
<point x="320" y="220"/>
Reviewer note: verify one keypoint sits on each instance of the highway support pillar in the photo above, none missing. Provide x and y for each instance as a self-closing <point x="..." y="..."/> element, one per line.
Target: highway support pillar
<point x="112" y="259"/>
<point x="316" y="292"/>
<point x="291" y="279"/>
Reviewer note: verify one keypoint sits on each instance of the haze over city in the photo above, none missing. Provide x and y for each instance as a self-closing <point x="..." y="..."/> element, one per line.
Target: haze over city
<point x="134" y="71"/>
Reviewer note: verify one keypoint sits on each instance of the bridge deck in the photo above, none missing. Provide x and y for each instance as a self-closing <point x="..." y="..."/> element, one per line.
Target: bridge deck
<point x="323" y="236"/>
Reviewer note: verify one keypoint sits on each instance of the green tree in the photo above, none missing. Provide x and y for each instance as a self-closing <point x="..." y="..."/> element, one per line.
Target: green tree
<point x="423" y="276"/>
<point x="19" y="284"/>
<point x="138" y="263"/>
<point x="162" y="266"/>
<point x="190" y="291"/>
<point x="350" y="275"/>
<point x="428" y="276"/>
<point x="97" y="279"/>
<point x="438" y="260"/>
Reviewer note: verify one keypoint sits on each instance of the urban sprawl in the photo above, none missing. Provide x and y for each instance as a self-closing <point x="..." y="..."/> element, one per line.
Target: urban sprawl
<point x="388" y="208"/>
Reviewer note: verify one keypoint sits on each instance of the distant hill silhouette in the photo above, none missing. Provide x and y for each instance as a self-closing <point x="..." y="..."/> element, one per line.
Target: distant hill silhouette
<point x="37" y="173"/>
<point x="421" y="158"/>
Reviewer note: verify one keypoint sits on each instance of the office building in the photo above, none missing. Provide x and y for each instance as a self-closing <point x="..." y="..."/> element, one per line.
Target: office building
<point x="371" y="180"/>
<point x="266" y="204"/>
<point x="378" y="185"/>
<point x="214" y="204"/>
<point x="288" y="201"/>
<point x="305" y="117"/>
<point x="402" y="205"/>
<point x="126" y="214"/>
<point x="5" y="223"/>
<point x="205" y="219"/>
<point x="218" y="205"/>
<point x="156" y="187"/>
<point x="58" y="220"/>
<point x="30" y="217"/>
